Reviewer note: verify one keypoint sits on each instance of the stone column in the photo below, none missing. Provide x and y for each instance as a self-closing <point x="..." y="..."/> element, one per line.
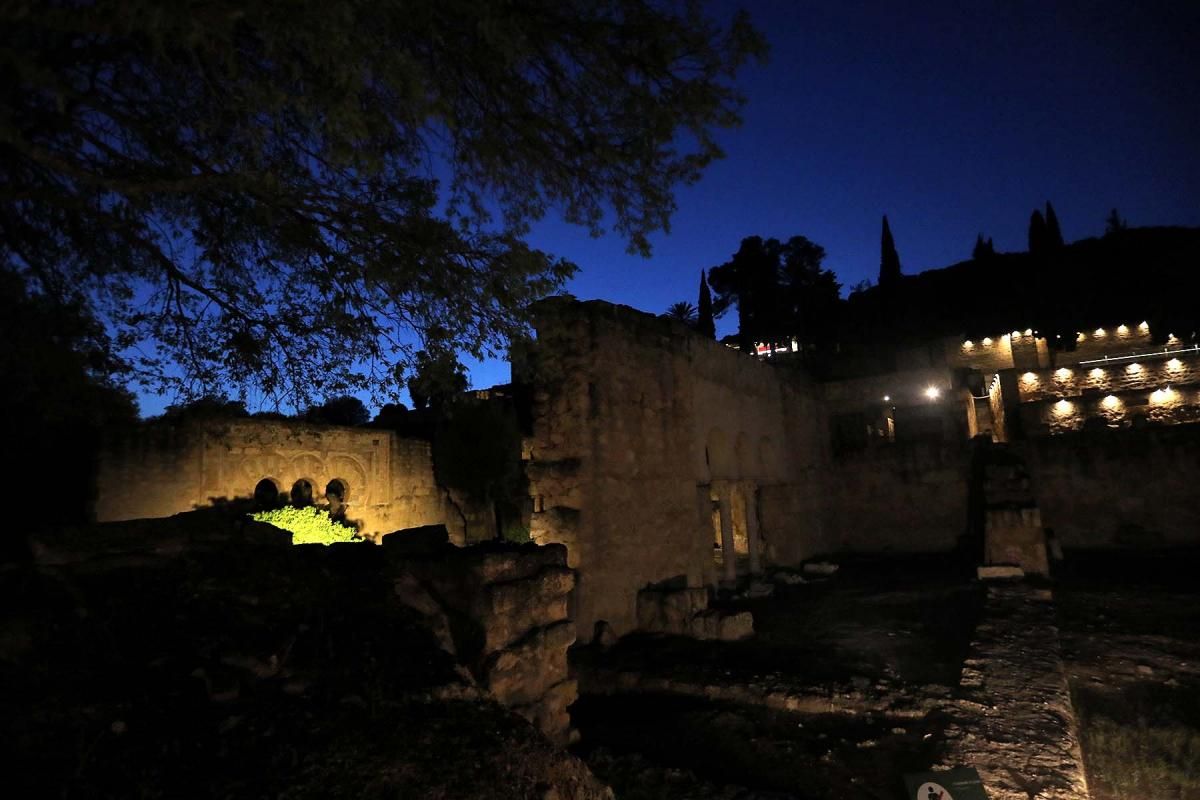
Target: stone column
<point x="728" y="551"/>
<point x="751" y="495"/>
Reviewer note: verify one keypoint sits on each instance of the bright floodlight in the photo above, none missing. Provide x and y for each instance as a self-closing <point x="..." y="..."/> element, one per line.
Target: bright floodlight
<point x="933" y="393"/>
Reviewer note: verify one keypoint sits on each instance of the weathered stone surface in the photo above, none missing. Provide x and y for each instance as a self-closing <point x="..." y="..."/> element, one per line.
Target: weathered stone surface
<point x="1013" y="718"/>
<point x="736" y="626"/>
<point x="993" y="573"/>
<point x="165" y="470"/>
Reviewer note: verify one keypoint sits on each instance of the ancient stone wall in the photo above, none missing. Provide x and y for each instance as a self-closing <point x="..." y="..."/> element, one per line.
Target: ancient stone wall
<point x="641" y="429"/>
<point x="1118" y="488"/>
<point x="499" y="610"/>
<point x="905" y="498"/>
<point x="387" y="481"/>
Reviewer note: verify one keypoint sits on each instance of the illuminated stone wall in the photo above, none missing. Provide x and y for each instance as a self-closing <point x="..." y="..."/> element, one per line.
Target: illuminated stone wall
<point x="639" y="424"/>
<point x="1118" y="488"/>
<point x="165" y="470"/>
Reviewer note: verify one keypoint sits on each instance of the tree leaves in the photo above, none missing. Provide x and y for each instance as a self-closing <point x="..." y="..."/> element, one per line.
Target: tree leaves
<point x="293" y="198"/>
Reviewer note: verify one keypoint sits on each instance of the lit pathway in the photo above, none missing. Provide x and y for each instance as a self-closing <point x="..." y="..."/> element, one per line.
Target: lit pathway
<point x="1012" y="719"/>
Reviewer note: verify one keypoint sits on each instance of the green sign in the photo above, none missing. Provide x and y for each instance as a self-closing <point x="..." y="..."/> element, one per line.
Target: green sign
<point x="961" y="783"/>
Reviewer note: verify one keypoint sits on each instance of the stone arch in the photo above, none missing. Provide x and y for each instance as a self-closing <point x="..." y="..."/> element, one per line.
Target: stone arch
<point x="266" y="493"/>
<point x="302" y="492"/>
<point x="719" y="454"/>
<point x="337" y="495"/>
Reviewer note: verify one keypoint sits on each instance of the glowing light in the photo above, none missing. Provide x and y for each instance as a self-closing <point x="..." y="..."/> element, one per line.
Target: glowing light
<point x="1171" y="339"/>
<point x="1062" y="373"/>
<point x="1080" y="337"/>
<point x="1016" y="334"/>
<point x="1029" y="331"/>
<point x="968" y="344"/>
<point x="887" y="398"/>
<point x="933" y="393"/>
<point x="1029" y="377"/>
<point x="1096" y="373"/>
<point x="1134" y="367"/>
<point x="1100" y="332"/>
<point x="1123" y="329"/>
<point x="1111" y="401"/>
<point x="1174" y="364"/>
<point x="1162" y="395"/>
<point x="987" y="341"/>
<point x="1144" y="326"/>
<point x="1004" y="337"/>
<point x="1063" y="407"/>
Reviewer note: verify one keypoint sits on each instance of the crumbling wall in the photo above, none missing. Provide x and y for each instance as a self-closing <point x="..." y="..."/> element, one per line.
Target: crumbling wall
<point x="1118" y="488"/>
<point x="500" y="610"/>
<point x="637" y="422"/>
<point x="165" y="470"/>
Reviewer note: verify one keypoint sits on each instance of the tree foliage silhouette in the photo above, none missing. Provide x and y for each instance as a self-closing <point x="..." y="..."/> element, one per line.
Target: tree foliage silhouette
<point x="682" y="312"/>
<point x="1113" y="223"/>
<point x="889" y="259"/>
<point x="781" y="290"/>
<point x="345" y="410"/>
<point x="983" y="248"/>
<point x="705" y="322"/>
<point x="437" y="379"/>
<point x="1054" y="237"/>
<point x="288" y="196"/>
<point x="1038" y="237"/>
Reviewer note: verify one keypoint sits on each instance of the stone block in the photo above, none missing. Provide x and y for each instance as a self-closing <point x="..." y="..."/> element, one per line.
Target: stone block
<point x="999" y="573"/>
<point x="733" y="627"/>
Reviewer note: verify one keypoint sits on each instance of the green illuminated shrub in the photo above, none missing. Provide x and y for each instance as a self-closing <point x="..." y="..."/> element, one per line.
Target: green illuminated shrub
<point x="308" y="525"/>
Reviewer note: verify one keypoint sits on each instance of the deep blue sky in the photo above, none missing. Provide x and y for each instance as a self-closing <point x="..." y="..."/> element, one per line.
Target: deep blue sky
<point x="952" y="118"/>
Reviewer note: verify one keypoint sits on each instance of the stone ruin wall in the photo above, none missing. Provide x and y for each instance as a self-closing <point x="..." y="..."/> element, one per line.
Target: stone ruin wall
<point x="904" y="498"/>
<point x="166" y="470"/>
<point x="1118" y="488"/>
<point x="638" y="422"/>
<point x="499" y="609"/>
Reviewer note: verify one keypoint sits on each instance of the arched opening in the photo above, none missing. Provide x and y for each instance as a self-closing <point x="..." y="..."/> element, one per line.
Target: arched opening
<point x="337" y="493"/>
<point x="266" y="494"/>
<point x="302" y="493"/>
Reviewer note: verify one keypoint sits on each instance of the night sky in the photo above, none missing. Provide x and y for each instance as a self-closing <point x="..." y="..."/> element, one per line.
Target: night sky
<point x="954" y="119"/>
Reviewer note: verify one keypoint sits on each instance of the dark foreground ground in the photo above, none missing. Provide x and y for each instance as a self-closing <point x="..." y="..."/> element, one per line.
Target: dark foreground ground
<point x="885" y="638"/>
<point x="1130" y="628"/>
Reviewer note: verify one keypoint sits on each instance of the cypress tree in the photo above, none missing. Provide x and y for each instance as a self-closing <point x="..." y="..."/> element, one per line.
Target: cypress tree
<point x="705" y="323"/>
<point x="1037" y="233"/>
<point x="980" y="250"/>
<point x="889" y="259"/>
<point x="1054" y="237"/>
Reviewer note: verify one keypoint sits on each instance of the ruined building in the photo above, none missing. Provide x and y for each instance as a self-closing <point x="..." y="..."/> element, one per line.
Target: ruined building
<point x="669" y="464"/>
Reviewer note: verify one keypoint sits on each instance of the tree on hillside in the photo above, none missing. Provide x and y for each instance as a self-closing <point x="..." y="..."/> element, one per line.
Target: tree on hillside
<point x="437" y="379"/>
<point x="1038" y="240"/>
<point x="889" y="259"/>
<point x="682" y="312"/>
<point x="751" y="279"/>
<point x="1054" y="237"/>
<point x="253" y="193"/>
<point x="812" y="294"/>
<point x="346" y="410"/>
<point x="983" y="248"/>
<point x="1113" y="223"/>
<point x="705" y="323"/>
<point x="781" y="290"/>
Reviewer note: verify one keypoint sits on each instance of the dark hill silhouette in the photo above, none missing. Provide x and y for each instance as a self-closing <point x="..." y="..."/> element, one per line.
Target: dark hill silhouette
<point x="1127" y="276"/>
